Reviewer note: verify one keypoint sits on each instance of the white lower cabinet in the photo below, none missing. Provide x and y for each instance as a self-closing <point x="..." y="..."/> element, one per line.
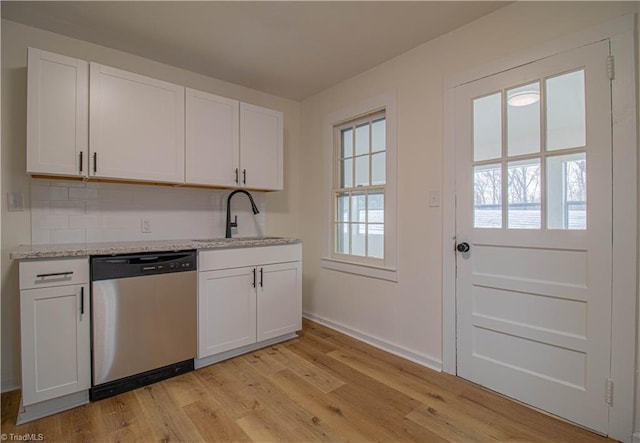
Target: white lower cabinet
<point x="55" y="336"/>
<point x="248" y="296"/>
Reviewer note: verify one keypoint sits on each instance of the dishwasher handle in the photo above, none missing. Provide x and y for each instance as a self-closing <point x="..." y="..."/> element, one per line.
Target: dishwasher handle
<point x="133" y="265"/>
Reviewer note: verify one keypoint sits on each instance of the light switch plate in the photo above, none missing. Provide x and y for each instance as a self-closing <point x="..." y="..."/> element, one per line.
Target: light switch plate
<point x="434" y="198"/>
<point x="15" y="201"/>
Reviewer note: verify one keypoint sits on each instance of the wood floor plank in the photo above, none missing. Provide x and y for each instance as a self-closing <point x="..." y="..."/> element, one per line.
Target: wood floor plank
<point x="282" y="414"/>
<point x="323" y="409"/>
<point x="323" y="386"/>
<point x="305" y="369"/>
<point x="168" y="421"/>
<point x="122" y="417"/>
<point x="186" y="389"/>
<point x="212" y="423"/>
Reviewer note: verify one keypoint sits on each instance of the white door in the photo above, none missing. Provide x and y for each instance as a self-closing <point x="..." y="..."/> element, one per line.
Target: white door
<point x="226" y="310"/>
<point x="279" y="300"/>
<point x="261" y="146"/>
<point x="136" y="126"/>
<point x="55" y="342"/>
<point x="57" y="114"/>
<point x="533" y="204"/>
<point x="212" y="139"/>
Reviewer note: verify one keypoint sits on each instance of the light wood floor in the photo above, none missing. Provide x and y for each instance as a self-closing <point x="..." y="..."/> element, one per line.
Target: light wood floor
<point x="323" y="386"/>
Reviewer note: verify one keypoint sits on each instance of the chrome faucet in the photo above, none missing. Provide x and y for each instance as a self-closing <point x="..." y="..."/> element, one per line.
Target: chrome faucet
<point x="234" y="224"/>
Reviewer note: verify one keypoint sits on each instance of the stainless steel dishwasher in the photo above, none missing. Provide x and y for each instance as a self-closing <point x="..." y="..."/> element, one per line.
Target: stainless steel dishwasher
<point x="143" y="319"/>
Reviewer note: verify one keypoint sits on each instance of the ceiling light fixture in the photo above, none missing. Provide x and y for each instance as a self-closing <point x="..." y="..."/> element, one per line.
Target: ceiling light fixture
<point x="523" y="98"/>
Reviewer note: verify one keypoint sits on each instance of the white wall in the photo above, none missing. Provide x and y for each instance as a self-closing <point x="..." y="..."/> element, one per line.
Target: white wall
<point x="281" y="218"/>
<point x="407" y="316"/>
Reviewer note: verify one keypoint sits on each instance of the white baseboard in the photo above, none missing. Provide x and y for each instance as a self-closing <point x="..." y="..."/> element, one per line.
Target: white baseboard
<point x="50" y="407"/>
<point x="9" y="384"/>
<point x="415" y="357"/>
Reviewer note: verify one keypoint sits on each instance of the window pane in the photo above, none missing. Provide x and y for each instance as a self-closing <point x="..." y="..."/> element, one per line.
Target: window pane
<point x="567" y="191"/>
<point x="342" y="207"/>
<point x="362" y="139"/>
<point x="487" y="127"/>
<point x="378" y="168"/>
<point x="346" y="173"/>
<point x="523" y="119"/>
<point x="375" y="207"/>
<point x="378" y="135"/>
<point x="358" y="208"/>
<point x="524" y="194"/>
<point x="362" y="171"/>
<point x="358" y="238"/>
<point x="347" y="143"/>
<point x="375" y="239"/>
<point x="342" y="238"/>
<point x="565" y="111"/>
<point x="487" y="196"/>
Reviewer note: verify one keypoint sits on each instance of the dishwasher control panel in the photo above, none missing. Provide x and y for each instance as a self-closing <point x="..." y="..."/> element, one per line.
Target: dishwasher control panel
<point x="134" y="265"/>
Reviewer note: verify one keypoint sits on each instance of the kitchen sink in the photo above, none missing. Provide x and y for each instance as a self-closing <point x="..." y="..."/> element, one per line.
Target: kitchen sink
<point x="207" y="240"/>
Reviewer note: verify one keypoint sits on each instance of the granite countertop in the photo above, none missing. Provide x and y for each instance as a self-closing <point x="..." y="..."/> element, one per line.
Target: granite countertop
<point x="132" y="247"/>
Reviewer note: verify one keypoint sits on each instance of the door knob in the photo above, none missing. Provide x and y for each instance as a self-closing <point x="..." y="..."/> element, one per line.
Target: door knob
<point x="463" y="247"/>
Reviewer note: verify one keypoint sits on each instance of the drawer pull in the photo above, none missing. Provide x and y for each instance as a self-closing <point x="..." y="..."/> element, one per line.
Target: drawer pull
<point x="54" y="274"/>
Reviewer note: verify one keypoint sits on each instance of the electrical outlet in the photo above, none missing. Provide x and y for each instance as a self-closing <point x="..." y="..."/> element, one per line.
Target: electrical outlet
<point x="145" y="226"/>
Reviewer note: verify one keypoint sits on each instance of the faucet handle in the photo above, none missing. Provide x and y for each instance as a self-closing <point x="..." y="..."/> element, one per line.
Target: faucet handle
<point x="234" y="223"/>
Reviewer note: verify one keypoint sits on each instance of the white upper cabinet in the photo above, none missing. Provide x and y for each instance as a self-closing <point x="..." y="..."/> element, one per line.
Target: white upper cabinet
<point x="212" y="139"/>
<point x="261" y="147"/>
<point x="90" y="120"/>
<point x="57" y="114"/>
<point x="232" y="144"/>
<point x="136" y="126"/>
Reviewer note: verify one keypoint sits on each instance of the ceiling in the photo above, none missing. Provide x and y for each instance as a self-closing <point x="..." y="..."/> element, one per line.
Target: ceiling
<point x="290" y="49"/>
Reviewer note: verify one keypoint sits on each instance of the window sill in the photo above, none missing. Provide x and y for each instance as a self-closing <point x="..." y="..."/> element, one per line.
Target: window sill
<point x="365" y="270"/>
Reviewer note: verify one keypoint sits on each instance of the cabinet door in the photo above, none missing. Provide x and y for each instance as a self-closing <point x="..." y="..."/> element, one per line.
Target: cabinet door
<point x="279" y="299"/>
<point x="226" y="310"/>
<point x="261" y="134"/>
<point x="136" y="126"/>
<point x="55" y="342"/>
<point x="57" y="114"/>
<point x="212" y="139"/>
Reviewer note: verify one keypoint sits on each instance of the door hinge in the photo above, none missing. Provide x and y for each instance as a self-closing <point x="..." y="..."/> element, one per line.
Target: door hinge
<point x="609" y="392"/>
<point x="611" y="71"/>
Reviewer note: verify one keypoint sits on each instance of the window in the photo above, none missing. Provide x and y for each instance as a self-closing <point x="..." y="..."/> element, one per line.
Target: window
<point x="529" y="156"/>
<point x="359" y="187"/>
<point x="359" y="230"/>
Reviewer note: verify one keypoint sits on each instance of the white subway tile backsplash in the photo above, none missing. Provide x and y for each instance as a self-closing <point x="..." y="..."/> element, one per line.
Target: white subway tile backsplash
<point x="75" y="211"/>
<point x="83" y="194"/>
<point x="66" y="208"/>
<point x="85" y="221"/>
<point x="58" y="193"/>
<point x="68" y="236"/>
<point x="50" y="222"/>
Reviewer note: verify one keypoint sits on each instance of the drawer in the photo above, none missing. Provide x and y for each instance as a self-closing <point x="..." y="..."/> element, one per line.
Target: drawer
<point x="53" y="272"/>
<point x="209" y="260"/>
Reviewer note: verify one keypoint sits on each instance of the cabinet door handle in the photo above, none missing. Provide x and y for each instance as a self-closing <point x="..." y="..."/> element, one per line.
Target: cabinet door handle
<point x="237" y="180"/>
<point x="244" y="176"/>
<point x="82" y="300"/>
<point x="254" y="277"/>
<point x="54" y="274"/>
<point x="95" y="162"/>
<point x="81" y="162"/>
<point x="261" y="277"/>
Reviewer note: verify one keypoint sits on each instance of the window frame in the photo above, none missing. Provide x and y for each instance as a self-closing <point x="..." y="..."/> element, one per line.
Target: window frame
<point x="385" y="268"/>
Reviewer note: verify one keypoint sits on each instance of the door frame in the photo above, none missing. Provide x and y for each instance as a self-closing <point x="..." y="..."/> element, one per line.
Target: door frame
<point x="620" y="32"/>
